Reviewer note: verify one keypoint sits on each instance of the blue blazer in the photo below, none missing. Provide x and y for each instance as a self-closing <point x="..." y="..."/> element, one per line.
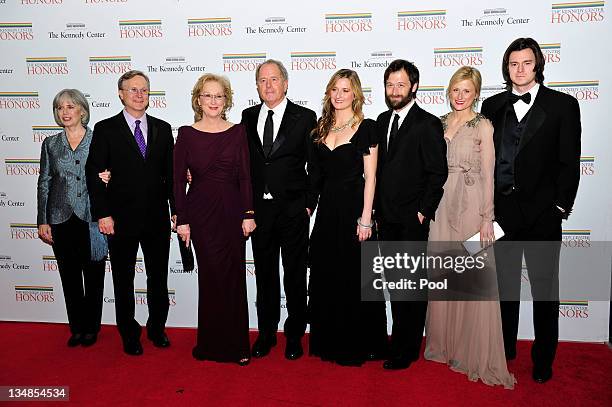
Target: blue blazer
<point x="62" y="186"/>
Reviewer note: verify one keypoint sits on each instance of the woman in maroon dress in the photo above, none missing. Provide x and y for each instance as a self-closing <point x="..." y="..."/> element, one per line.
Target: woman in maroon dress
<point x="217" y="214"/>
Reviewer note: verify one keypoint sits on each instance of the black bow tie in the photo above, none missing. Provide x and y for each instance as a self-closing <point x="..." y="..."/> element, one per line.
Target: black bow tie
<point x="515" y="98"/>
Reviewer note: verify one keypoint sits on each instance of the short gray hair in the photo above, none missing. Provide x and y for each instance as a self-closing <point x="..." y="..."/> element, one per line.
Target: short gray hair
<point x="278" y="63"/>
<point x="76" y="97"/>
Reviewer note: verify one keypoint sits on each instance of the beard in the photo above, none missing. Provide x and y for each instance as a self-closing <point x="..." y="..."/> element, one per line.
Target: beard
<point x="399" y="104"/>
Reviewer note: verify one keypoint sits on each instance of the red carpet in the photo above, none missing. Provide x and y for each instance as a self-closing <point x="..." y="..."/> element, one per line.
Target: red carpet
<point x="36" y="354"/>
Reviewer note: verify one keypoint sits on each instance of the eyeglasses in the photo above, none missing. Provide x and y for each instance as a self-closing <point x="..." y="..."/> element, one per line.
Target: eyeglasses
<point x="136" y="91"/>
<point x="208" y="97"/>
<point x="399" y="85"/>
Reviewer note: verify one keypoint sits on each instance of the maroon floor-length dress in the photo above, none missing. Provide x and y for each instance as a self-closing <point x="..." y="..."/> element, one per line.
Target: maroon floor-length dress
<point x="218" y="199"/>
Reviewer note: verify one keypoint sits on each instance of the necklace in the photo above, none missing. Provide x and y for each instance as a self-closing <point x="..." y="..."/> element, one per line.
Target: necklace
<point x="344" y="126"/>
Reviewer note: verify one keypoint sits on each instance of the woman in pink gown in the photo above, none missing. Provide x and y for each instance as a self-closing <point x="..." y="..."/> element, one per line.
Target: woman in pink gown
<point x="467" y="335"/>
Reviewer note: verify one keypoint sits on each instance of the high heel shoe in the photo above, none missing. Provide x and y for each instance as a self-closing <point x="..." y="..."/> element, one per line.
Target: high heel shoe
<point x="244" y="361"/>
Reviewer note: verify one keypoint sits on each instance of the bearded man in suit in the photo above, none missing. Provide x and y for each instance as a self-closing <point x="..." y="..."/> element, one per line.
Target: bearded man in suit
<point x="412" y="170"/>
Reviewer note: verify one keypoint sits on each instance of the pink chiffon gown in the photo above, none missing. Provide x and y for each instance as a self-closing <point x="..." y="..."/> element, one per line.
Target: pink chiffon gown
<point x="467" y="335"/>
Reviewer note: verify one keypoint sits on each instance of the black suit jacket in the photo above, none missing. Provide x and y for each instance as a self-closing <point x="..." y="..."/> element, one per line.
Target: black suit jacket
<point x="140" y="190"/>
<point x="547" y="165"/>
<point x="410" y="177"/>
<point x="284" y="171"/>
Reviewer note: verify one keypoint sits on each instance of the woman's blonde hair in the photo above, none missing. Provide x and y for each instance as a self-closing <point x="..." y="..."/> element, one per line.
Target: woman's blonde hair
<point x="465" y="73"/>
<point x="197" y="89"/>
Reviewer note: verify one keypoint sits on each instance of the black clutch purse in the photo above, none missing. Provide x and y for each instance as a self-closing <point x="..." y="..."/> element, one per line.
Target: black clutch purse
<point x="186" y="254"/>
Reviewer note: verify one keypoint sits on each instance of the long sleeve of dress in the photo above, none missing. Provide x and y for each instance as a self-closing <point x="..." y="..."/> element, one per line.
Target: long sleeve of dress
<point x="44" y="179"/>
<point x="180" y="165"/>
<point x="487" y="168"/>
<point x="244" y="176"/>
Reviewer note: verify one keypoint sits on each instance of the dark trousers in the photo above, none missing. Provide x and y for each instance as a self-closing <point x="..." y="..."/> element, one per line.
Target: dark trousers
<point x="82" y="279"/>
<point x="540" y="244"/>
<point x="287" y="232"/>
<point x="156" y="249"/>
<point x="408" y="316"/>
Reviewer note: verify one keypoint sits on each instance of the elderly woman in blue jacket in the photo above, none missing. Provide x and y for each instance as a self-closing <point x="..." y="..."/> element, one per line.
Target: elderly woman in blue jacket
<point x="64" y="218"/>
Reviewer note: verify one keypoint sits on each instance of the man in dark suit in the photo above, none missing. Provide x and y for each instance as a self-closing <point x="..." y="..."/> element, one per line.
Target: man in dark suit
<point x="412" y="170"/>
<point x="279" y="141"/>
<point x="133" y="209"/>
<point x="537" y="170"/>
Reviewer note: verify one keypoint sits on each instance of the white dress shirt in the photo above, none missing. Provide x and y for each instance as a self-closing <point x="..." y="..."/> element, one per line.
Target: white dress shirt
<point x="521" y="108"/>
<point x="131" y="121"/>
<point x="277" y="117"/>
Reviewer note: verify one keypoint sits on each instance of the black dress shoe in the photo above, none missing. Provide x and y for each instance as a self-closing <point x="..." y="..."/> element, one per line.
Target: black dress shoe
<point x="89" y="339"/>
<point x="350" y="362"/>
<point x="132" y="347"/>
<point x="74" y="340"/>
<point x="197" y="354"/>
<point x="293" y="349"/>
<point x="541" y="374"/>
<point x="397" y="363"/>
<point x="263" y="344"/>
<point x="370" y="356"/>
<point x="159" y="340"/>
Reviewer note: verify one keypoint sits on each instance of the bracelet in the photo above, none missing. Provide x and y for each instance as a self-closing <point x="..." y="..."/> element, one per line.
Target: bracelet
<point x="364" y="226"/>
<point x="250" y="212"/>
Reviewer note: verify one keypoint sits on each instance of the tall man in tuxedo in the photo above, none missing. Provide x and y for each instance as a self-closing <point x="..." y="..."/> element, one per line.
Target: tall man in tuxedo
<point x="537" y="170"/>
<point x="279" y="137"/>
<point x="412" y="170"/>
<point x="134" y="208"/>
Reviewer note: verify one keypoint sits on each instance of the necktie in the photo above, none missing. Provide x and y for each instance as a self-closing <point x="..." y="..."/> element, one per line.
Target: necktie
<point x="268" y="132"/>
<point x="515" y="98"/>
<point x="140" y="139"/>
<point x="394" y="130"/>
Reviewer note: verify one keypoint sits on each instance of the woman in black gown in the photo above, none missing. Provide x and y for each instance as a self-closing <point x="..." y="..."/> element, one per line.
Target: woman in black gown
<point x="343" y="329"/>
<point x="217" y="213"/>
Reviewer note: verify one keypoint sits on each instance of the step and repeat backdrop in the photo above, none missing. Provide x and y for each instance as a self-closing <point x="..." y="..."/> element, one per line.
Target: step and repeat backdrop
<point x="48" y="45"/>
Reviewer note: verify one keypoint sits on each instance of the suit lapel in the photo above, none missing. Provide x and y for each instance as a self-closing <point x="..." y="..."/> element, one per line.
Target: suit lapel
<point x="408" y="121"/>
<point x="252" y="129"/>
<point x="500" y="125"/>
<point x="384" y="127"/>
<point x="127" y="135"/>
<point x="535" y="119"/>
<point x="152" y="131"/>
<point x="498" y="118"/>
<point x="404" y="130"/>
<point x="287" y="123"/>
